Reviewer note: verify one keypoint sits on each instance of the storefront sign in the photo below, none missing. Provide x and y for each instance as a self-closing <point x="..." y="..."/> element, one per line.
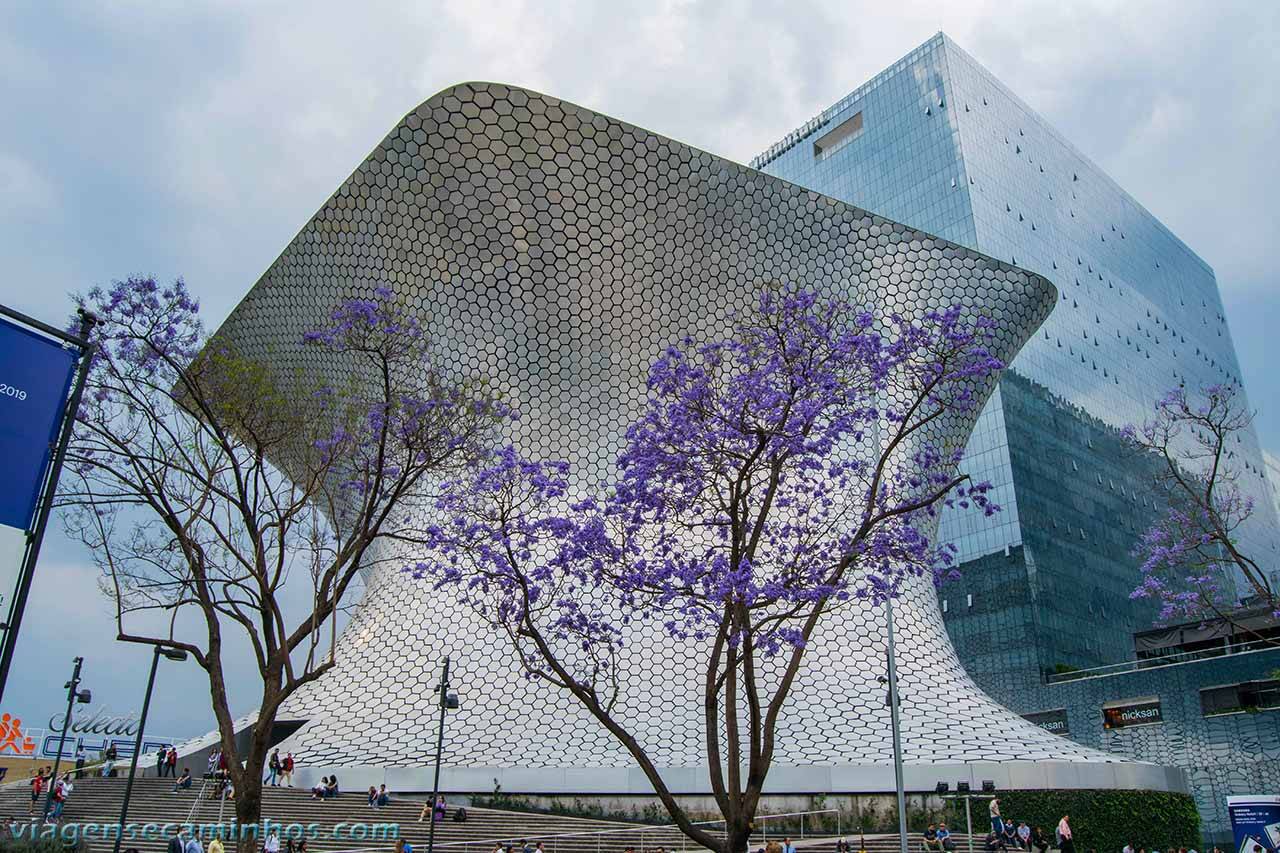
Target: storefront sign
<point x="1132" y="712"/>
<point x="1051" y="721"/>
<point x="92" y="732"/>
<point x="13" y="740"/>
<point x="98" y="722"/>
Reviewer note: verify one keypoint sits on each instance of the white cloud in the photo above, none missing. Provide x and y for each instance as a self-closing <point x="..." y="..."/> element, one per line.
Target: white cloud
<point x="24" y="192"/>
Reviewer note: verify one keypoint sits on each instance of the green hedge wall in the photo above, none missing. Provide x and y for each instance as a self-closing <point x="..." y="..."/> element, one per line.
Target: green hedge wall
<point x="1100" y="820"/>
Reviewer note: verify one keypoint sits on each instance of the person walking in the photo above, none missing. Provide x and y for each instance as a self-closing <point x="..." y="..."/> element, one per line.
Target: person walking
<point x="1065" y="843"/>
<point x="80" y="761"/>
<point x="161" y="757"/>
<point x="37" y="788"/>
<point x="273" y="765"/>
<point x="61" y="792"/>
<point x="273" y="843"/>
<point x="997" y="823"/>
<point x="175" y="840"/>
<point x="286" y="769"/>
<point x="109" y="761"/>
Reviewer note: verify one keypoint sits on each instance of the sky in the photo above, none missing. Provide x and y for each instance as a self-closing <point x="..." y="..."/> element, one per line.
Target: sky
<point x="194" y="139"/>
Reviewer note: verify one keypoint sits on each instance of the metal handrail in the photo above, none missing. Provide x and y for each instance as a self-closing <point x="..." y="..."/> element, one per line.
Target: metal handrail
<point x="1166" y="660"/>
<point x="82" y="769"/>
<point x="643" y="829"/>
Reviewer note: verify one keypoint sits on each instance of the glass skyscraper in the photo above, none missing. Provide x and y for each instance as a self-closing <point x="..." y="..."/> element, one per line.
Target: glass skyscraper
<point x="936" y="142"/>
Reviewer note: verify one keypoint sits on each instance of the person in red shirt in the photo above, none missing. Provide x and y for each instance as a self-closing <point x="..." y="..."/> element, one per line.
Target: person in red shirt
<point x="37" y="788"/>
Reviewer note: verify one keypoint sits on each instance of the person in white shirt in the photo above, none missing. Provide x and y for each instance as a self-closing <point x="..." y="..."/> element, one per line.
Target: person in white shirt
<point x="61" y="792"/>
<point x="273" y="843"/>
<point x="1065" y="844"/>
<point x="997" y="823"/>
<point x="1128" y="848"/>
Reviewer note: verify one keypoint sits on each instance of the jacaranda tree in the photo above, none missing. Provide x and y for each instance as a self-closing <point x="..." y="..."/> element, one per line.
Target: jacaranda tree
<point x="1193" y="547"/>
<point x="217" y="496"/>
<point x="772" y="478"/>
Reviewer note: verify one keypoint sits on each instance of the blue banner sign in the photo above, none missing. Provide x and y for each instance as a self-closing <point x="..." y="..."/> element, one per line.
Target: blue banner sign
<point x="1255" y="823"/>
<point x="35" y="377"/>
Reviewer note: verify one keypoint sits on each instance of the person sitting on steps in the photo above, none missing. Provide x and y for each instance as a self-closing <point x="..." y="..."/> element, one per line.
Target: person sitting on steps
<point x="318" y="789"/>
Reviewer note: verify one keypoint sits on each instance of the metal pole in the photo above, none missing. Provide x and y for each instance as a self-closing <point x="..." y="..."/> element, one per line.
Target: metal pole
<point x="137" y="747"/>
<point x="35" y="537"/>
<point x="435" y="788"/>
<point x="968" y="822"/>
<point x="897" y="736"/>
<point x="66" y="727"/>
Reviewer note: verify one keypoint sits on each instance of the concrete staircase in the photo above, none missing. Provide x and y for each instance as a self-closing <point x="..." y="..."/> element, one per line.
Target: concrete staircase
<point x="348" y="824"/>
<point x="95" y="803"/>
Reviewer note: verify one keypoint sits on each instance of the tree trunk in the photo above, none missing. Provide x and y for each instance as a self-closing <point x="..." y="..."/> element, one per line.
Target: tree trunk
<point x="249" y="815"/>
<point x="249" y="791"/>
<point x="737" y="836"/>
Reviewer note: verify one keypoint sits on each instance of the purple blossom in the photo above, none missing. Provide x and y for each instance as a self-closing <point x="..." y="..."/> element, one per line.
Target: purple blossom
<point x="787" y="468"/>
<point x="1190" y="554"/>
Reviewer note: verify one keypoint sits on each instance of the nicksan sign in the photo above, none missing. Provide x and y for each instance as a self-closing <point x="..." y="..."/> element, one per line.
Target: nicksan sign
<point x="1054" y="721"/>
<point x="97" y="722"/>
<point x="1132" y="712"/>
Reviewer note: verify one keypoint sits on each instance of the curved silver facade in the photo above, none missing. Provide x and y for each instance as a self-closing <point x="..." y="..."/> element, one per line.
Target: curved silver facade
<point x="556" y="251"/>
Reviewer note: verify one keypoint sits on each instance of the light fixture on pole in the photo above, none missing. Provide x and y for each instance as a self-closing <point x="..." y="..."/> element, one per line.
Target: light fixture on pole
<point x="74" y="695"/>
<point x="448" y="701"/>
<point x="171" y="654"/>
<point x="962" y="793"/>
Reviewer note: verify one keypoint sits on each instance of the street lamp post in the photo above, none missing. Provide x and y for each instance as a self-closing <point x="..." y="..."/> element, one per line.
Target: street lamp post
<point x="446" y="701"/>
<point x="897" y="735"/>
<point x="171" y="654"/>
<point x="74" y="695"/>
<point x="968" y="821"/>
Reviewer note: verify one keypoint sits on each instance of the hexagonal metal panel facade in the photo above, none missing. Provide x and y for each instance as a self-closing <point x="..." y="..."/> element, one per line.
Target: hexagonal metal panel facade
<point x="557" y="251"/>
